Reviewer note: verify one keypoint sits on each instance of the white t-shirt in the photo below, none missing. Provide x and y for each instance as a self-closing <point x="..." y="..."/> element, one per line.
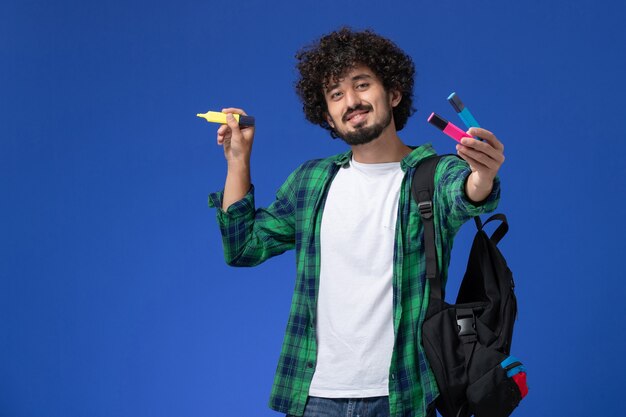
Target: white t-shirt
<point x="355" y="303"/>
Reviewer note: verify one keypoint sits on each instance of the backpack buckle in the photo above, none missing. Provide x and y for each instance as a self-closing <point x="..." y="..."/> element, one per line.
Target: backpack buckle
<point x="426" y="209"/>
<point x="466" y="324"/>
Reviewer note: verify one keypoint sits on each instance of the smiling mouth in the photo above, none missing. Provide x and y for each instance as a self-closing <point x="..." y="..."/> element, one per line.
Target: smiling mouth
<point x="357" y="116"/>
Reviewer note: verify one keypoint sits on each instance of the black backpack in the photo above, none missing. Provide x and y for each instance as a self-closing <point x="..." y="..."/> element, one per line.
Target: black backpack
<point x="468" y="343"/>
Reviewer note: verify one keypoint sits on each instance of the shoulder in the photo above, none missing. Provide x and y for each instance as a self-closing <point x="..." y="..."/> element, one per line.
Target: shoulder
<point x="313" y="172"/>
<point x="447" y="162"/>
<point x="321" y="165"/>
<point x="313" y="164"/>
<point x="452" y="162"/>
<point x="450" y="170"/>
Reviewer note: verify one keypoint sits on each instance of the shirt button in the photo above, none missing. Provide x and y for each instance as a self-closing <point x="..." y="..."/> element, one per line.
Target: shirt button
<point x="309" y="365"/>
<point x="393" y="376"/>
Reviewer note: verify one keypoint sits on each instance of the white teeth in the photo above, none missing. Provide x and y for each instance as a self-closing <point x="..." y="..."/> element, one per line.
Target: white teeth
<point x="358" y="117"/>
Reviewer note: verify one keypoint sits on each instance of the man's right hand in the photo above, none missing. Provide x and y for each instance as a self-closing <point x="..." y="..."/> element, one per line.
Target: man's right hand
<point x="237" y="143"/>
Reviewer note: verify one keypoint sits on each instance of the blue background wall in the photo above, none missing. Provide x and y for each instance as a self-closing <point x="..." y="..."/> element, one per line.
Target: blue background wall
<point x="114" y="297"/>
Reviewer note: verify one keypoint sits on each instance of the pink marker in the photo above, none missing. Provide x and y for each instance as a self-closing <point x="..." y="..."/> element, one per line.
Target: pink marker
<point x="447" y="127"/>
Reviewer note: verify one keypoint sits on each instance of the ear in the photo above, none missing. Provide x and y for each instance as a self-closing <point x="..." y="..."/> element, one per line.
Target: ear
<point x="395" y="97"/>
<point x="329" y="120"/>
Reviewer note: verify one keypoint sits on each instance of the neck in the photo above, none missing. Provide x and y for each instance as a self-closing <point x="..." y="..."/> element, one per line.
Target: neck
<point x="388" y="147"/>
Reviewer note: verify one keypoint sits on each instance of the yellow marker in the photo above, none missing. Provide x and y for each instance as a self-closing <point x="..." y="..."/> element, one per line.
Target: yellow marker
<point x="218" y="117"/>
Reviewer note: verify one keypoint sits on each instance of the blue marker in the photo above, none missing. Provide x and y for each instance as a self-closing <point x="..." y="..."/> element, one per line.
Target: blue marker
<point x="462" y="111"/>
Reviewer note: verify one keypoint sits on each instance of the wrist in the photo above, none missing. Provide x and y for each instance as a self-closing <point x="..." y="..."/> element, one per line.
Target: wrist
<point x="480" y="182"/>
<point x="478" y="189"/>
<point x="238" y="165"/>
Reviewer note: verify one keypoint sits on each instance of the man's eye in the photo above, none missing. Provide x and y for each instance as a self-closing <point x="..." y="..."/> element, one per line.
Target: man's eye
<point x="335" y="95"/>
<point x="362" y="86"/>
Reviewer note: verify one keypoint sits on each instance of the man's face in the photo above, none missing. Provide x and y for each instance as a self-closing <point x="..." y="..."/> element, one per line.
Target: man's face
<point x="359" y="108"/>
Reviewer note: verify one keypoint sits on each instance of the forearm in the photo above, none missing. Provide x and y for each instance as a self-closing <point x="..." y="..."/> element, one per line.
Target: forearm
<point x="452" y="196"/>
<point x="251" y="235"/>
<point x="237" y="143"/>
<point x="237" y="182"/>
<point x="476" y="189"/>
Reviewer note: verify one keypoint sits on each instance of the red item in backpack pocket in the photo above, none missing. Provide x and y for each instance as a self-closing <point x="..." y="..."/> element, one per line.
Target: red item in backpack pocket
<point x="520" y="380"/>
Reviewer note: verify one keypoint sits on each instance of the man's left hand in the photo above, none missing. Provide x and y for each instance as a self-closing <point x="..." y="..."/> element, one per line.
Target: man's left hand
<point x="485" y="159"/>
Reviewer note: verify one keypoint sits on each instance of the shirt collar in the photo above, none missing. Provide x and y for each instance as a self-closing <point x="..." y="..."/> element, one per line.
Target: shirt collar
<point x="409" y="161"/>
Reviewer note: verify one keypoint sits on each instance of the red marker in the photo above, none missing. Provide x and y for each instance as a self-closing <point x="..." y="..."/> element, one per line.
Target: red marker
<point x="447" y="127"/>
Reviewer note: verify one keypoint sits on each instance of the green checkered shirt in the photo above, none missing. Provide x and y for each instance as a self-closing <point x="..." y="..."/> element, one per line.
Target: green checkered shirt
<point x="294" y="219"/>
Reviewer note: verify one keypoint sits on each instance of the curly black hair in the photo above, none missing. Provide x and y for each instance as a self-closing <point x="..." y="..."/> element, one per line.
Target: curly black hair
<point x="335" y="54"/>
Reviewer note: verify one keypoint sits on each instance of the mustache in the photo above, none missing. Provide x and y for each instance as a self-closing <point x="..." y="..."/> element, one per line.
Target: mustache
<point x="350" y="111"/>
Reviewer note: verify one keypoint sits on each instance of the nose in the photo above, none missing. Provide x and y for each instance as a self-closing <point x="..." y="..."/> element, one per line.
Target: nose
<point x="352" y="99"/>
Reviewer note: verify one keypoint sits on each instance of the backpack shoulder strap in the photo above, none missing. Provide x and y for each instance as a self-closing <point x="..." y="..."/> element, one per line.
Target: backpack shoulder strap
<point x="422" y="188"/>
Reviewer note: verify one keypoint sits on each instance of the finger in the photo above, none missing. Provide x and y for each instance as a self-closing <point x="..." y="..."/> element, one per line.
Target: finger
<point x="474" y="164"/>
<point x="483" y="147"/>
<point x="223" y="133"/>
<point x="233" y="125"/>
<point x="480" y="132"/>
<point x="234" y="110"/>
<point x="486" y="135"/>
<point x="223" y="130"/>
<point x="482" y="158"/>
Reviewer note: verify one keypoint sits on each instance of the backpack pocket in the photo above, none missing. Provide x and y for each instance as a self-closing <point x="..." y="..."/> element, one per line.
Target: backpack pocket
<point x="498" y="391"/>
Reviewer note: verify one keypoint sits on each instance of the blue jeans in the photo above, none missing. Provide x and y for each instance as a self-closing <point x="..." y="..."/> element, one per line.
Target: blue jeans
<point x="347" y="407"/>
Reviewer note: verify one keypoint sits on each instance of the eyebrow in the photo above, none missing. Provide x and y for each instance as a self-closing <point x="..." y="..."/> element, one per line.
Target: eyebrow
<point x="355" y="78"/>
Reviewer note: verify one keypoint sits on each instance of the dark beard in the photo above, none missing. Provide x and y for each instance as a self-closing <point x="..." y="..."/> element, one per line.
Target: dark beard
<point x="363" y="135"/>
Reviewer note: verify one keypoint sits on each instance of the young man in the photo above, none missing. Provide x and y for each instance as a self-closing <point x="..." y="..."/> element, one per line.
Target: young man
<point x="353" y="339"/>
